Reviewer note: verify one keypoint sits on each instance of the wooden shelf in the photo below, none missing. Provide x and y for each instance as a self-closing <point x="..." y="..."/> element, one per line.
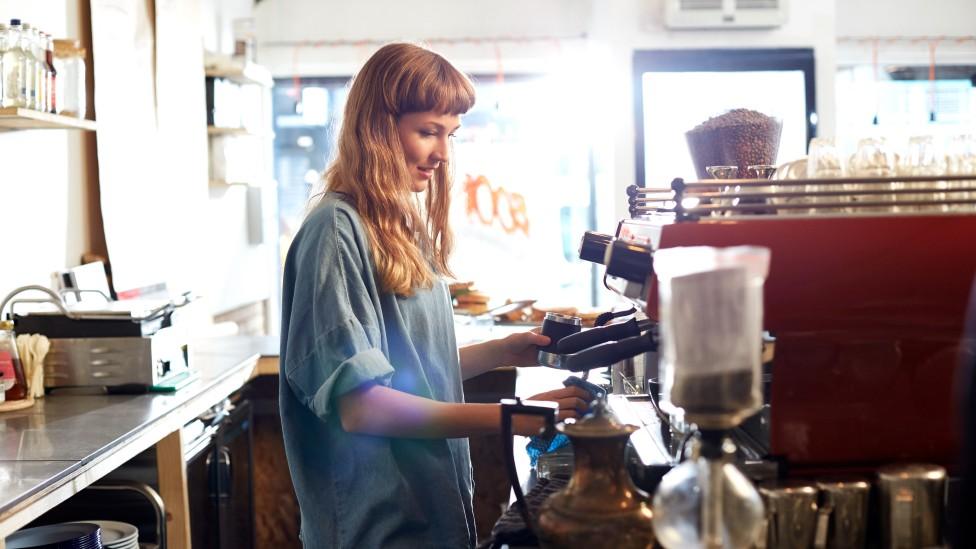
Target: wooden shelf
<point x="223" y="183"/>
<point x="15" y="118"/>
<point x="248" y="74"/>
<point x="217" y="130"/>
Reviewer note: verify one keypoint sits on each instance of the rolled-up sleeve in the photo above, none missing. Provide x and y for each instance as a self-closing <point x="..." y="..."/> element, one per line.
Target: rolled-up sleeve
<point x="334" y="339"/>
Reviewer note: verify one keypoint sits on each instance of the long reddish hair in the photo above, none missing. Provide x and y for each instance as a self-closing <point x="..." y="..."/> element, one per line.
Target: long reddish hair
<point x="410" y="242"/>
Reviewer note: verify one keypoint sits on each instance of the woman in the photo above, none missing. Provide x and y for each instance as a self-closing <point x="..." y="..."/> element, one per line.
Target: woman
<point x="371" y="402"/>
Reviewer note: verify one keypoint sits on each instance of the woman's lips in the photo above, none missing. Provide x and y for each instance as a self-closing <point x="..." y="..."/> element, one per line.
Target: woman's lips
<point x="426" y="172"/>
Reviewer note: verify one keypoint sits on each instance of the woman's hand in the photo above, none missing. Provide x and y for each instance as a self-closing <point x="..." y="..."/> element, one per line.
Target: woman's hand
<point x="573" y="401"/>
<point x="518" y="349"/>
<point x="522" y="349"/>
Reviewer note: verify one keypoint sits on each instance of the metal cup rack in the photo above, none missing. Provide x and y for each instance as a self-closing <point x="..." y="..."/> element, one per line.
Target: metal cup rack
<point x="690" y="201"/>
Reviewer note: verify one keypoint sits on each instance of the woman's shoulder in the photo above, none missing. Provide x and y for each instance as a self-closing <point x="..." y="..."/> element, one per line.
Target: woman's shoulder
<point x="335" y="212"/>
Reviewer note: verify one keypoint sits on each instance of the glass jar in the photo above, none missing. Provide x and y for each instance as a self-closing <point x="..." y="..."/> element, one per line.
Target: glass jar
<point x="11" y="369"/>
<point x="69" y="63"/>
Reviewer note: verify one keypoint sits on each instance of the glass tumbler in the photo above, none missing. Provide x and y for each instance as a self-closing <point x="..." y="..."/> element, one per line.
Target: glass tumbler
<point x="874" y="158"/>
<point x="921" y="159"/>
<point x="961" y="160"/>
<point x="723" y="172"/>
<point x="823" y="162"/>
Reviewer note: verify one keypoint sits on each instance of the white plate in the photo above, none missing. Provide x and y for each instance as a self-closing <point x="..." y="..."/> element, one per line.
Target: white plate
<point x="116" y="535"/>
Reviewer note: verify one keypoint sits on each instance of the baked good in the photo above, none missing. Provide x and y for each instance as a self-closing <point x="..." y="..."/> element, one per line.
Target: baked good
<point x="459" y="287"/>
<point x="539" y="310"/>
<point x="472" y="308"/>
<point x="473" y="297"/>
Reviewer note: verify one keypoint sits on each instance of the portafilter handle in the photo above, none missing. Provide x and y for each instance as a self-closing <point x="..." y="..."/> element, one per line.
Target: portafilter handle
<point x="608" y="353"/>
<point x="511" y="408"/>
<point x="585" y="339"/>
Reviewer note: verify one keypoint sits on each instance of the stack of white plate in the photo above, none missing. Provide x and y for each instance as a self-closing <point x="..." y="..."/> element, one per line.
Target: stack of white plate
<point x="117" y="535"/>
<point x="68" y="535"/>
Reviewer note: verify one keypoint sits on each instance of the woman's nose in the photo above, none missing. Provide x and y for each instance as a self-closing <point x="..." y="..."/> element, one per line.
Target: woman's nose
<point x="441" y="151"/>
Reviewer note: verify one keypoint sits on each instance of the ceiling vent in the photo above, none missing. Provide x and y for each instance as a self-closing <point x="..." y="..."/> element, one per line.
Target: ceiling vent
<point x="724" y="14"/>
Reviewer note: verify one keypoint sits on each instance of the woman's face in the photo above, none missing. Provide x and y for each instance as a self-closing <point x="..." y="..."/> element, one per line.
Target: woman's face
<point x="426" y="139"/>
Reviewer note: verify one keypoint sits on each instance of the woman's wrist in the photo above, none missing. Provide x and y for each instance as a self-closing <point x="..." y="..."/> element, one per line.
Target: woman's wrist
<point x="479" y="358"/>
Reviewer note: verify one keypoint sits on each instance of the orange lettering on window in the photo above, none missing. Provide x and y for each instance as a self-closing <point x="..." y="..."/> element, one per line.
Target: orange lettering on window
<point x="488" y="205"/>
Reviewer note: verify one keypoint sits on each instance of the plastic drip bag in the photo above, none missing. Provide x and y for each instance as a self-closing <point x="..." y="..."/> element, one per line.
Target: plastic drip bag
<point x="711" y="331"/>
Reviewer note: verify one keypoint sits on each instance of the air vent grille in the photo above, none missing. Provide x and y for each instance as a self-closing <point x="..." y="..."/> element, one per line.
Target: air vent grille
<point x="701" y="4"/>
<point x="757" y="4"/>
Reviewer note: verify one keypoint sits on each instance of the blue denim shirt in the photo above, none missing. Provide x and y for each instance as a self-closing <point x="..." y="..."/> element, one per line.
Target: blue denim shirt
<point x="339" y="331"/>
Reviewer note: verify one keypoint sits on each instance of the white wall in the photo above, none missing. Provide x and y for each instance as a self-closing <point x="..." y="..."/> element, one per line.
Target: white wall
<point x="44" y="200"/>
<point x="218" y="20"/>
<point x="281" y="23"/>
<point x="906" y="18"/>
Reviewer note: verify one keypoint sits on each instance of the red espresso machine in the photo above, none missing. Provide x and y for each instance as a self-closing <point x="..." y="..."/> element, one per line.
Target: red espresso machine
<point x="866" y="297"/>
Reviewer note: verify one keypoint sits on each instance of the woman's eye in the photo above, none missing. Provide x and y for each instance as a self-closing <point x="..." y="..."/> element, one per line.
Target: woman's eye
<point x="428" y="133"/>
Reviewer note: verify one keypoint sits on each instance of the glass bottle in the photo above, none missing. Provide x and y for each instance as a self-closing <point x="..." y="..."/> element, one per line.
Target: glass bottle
<point x="40" y="70"/>
<point x="30" y="66"/>
<point x="69" y="62"/>
<point x="706" y="502"/>
<point x="11" y="369"/>
<point x="13" y="68"/>
<point x="52" y="101"/>
<point x="3" y="50"/>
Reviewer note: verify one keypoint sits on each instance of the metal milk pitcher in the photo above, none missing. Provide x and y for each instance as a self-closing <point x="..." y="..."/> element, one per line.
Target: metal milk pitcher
<point x="912" y="501"/>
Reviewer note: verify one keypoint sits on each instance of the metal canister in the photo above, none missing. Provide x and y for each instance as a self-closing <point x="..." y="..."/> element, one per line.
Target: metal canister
<point x="791" y="514"/>
<point x="843" y="515"/>
<point x="556" y="326"/>
<point x="912" y="501"/>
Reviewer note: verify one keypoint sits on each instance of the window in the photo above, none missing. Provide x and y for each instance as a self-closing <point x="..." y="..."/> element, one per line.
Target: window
<point x="902" y="103"/>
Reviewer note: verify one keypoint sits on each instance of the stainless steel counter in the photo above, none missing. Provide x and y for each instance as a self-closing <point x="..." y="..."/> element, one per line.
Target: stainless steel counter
<point x="63" y="443"/>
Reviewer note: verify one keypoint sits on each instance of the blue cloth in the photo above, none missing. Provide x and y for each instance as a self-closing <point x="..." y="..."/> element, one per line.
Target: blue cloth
<point x="539" y="445"/>
<point x="340" y="331"/>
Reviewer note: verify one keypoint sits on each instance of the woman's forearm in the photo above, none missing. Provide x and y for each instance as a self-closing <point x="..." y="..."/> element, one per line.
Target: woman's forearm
<point x="382" y="411"/>
<point x="478" y="358"/>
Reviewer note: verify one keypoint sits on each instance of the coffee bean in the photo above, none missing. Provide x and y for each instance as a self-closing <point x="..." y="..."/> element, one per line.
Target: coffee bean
<point x="740" y="137"/>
